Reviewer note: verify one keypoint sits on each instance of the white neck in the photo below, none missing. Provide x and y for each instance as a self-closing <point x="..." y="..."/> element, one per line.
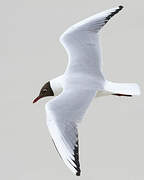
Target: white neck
<point x="56" y="85"/>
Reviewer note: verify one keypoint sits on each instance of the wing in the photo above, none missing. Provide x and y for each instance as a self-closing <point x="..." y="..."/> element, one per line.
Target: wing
<point x="63" y="114"/>
<point x="81" y="42"/>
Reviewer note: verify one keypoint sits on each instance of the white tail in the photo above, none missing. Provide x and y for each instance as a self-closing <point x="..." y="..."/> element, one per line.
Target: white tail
<point x="122" y="88"/>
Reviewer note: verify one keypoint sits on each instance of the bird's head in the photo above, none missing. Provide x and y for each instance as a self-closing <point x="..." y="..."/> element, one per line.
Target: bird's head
<point x="46" y="90"/>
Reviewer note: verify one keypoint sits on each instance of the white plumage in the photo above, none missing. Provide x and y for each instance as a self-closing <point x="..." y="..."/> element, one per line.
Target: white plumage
<point x="81" y="82"/>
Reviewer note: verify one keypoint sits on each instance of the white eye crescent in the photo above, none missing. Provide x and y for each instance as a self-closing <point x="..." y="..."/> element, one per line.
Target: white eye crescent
<point x="44" y="90"/>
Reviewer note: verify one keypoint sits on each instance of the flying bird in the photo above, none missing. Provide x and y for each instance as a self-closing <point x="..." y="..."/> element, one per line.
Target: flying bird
<point x="82" y="80"/>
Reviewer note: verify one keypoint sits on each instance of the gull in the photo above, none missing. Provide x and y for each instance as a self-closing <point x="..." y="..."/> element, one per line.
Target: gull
<point x="82" y="80"/>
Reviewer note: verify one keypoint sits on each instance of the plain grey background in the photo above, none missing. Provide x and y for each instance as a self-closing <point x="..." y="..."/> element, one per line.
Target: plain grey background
<point x="112" y="133"/>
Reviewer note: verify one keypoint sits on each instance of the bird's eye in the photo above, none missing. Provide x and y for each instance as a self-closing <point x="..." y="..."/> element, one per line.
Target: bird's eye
<point x="44" y="90"/>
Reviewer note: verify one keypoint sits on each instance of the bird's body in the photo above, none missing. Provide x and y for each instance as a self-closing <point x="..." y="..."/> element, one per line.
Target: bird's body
<point x="82" y="80"/>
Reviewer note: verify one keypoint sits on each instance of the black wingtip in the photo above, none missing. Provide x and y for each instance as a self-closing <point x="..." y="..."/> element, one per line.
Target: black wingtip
<point x="76" y="159"/>
<point x="113" y="13"/>
<point x="121" y="7"/>
<point x="127" y="95"/>
<point x="78" y="173"/>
